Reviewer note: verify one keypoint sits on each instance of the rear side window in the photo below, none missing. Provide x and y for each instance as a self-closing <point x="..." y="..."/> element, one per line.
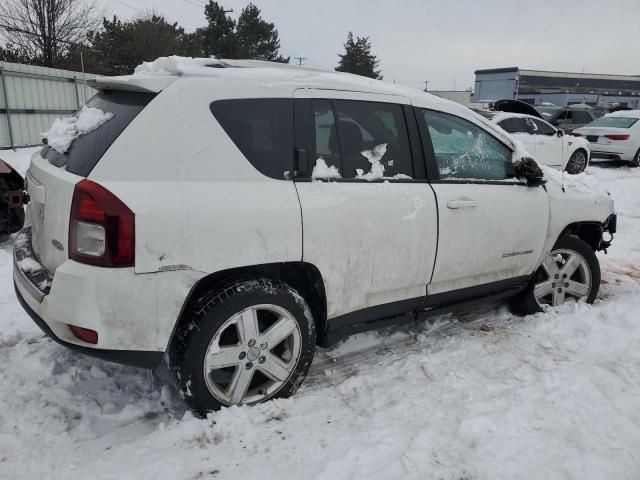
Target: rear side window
<point x="363" y="140"/>
<point x="262" y="129"/>
<point x="581" y="117"/>
<point x="86" y="151"/>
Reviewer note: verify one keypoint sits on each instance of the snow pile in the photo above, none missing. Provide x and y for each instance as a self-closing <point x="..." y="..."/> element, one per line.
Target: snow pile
<point x="175" y="65"/>
<point x="584" y="183"/>
<point x="64" y="131"/>
<point x="323" y="171"/>
<point x="29" y="265"/>
<point x="19" y="160"/>
<point x="374" y="156"/>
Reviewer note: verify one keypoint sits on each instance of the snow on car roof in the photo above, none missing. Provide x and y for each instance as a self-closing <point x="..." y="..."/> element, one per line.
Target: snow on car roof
<point x="499" y="116"/>
<point x="157" y="75"/>
<point x="625" y="113"/>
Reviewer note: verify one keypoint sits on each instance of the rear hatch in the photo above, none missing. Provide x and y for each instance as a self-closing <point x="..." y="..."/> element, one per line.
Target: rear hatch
<point x="52" y="175"/>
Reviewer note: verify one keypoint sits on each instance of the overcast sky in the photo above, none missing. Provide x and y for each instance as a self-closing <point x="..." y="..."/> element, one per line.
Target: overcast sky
<point x="442" y="41"/>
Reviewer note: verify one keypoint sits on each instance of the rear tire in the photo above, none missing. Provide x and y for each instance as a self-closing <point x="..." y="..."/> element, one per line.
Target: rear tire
<point x="570" y="271"/>
<point x="244" y="343"/>
<point x="577" y="162"/>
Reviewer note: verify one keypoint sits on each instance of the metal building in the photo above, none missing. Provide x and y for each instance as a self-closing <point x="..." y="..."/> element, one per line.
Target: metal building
<point x="462" y="97"/>
<point x="560" y="88"/>
<point x="32" y="97"/>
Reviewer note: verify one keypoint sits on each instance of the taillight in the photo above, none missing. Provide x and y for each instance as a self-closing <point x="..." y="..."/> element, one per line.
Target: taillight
<point x="618" y="136"/>
<point x="101" y="227"/>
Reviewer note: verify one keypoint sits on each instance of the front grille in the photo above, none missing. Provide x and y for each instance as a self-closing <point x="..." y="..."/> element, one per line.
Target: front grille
<point x="592" y="138"/>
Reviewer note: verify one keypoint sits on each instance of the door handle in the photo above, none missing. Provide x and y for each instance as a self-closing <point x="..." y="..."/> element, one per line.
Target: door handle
<point x="461" y="203"/>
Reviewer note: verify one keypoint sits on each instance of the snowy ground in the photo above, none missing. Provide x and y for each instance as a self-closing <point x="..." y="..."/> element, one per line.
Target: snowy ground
<point x="481" y="395"/>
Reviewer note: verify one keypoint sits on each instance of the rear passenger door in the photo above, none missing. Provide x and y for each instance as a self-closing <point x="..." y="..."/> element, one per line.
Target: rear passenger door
<point x="492" y="227"/>
<point x="369" y="214"/>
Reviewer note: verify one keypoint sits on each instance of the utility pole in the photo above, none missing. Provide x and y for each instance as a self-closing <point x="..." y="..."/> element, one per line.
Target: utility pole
<point x="426" y="85"/>
<point x="300" y="60"/>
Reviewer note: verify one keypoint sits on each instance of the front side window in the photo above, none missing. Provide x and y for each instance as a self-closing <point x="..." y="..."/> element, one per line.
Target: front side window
<point x="262" y="129"/>
<point x="465" y="151"/>
<point x="361" y="139"/>
<point x="542" y="128"/>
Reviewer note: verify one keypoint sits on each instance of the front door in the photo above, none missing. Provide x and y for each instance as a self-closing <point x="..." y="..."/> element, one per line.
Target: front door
<point x="549" y="146"/>
<point x="369" y="215"/>
<point x="492" y="227"/>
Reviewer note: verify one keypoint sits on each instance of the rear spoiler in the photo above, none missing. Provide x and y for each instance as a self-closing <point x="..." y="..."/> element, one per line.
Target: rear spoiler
<point x="150" y="84"/>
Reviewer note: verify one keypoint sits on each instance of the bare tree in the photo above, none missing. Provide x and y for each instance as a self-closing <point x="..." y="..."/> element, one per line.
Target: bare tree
<point x="45" y="29"/>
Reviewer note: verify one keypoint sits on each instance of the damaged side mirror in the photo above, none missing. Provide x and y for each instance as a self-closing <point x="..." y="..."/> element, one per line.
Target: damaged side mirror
<point x="528" y="169"/>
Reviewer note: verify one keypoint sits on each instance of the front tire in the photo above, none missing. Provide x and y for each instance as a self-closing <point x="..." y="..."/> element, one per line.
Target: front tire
<point x="246" y="343"/>
<point x="577" y="162"/>
<point x="570" y="271"/>
<point x="636" y="160"/>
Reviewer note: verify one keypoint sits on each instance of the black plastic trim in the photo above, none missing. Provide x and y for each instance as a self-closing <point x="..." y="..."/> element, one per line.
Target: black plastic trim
<point x="481" y="182"/>
<point x="421" y="307"/>
<point x="457" y="297"/>
<point x="140" y="359"/>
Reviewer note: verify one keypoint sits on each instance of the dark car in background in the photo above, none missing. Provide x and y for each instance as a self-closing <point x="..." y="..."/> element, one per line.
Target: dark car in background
<point x="571" y="117"/>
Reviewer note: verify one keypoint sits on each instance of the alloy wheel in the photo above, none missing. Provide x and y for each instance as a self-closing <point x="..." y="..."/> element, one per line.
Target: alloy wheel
<point x="252" y="355"/>
<point x="564" y="274"/>
<point x="577" y="163"/>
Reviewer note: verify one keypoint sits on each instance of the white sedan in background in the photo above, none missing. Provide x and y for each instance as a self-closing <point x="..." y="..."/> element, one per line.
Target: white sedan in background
<point x="615" y="136"/>
<point x="548" y="145"/>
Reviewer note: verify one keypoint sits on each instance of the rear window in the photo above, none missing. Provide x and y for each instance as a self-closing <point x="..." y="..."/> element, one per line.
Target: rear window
<point x="262" y="129"/>
<point x="87" y="150"/>
<point x="613" y="122"/>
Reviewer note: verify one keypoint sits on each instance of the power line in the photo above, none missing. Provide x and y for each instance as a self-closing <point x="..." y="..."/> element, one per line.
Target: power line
<point x="300" y="60"/>
<point x="128" y="6"/>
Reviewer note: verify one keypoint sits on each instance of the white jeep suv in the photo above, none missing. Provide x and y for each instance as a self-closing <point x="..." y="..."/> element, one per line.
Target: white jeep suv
<point x="229" y="216"/>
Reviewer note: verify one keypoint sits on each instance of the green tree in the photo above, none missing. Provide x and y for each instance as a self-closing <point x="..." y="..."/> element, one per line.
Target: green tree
<point x="358" y="58"/>
<point x="250" y="37"/>
<point x="15" y="55"/>
<point x="257" y="39"/>
<point x="120" y="46"/>
<point x="218" y="36"/>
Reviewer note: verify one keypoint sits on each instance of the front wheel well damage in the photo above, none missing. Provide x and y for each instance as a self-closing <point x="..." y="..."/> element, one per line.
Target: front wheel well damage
<point x="303" y="277"/>
<point x="591" y="233"/>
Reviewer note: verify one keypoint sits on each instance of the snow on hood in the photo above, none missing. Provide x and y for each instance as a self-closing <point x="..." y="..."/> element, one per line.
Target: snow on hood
<point x="175" y="65"/>
<point x="64" y="131"/>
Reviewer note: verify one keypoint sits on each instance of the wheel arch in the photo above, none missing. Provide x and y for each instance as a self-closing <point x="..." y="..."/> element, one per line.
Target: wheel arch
<point x="589" y="232"/>
<point x="583" y="148"/>
<point x="303" y="277"/>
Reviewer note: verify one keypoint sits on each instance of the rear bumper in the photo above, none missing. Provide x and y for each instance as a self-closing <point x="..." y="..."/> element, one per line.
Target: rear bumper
<point x="134" y="314"/>
<point x="603" y="152"/>
<point x="134" y="358"/>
